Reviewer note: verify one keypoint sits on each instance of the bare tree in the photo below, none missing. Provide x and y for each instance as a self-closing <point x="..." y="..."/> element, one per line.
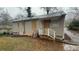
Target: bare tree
<point x="6" y="18"/>
<point x="49" y="9"/>
<point x="27" y="11"/>
<point x="75" y="11"/>
<point x="19" y="16"/>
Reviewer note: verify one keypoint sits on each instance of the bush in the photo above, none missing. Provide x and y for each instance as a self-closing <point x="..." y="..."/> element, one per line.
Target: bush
<point x="4" y="33"/>
<point x="1" y="34"/>
<point x="74" y="25"/>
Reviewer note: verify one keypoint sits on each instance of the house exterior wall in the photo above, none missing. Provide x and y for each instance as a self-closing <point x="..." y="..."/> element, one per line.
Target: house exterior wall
<point x="28" y="28"/>
<point x="58" y="27"/>
<point x="34" y="25"/>
<point x="20" y="28"/>
<point x="40" y="27"/>
<point x="46" y="26"/>
<point x="15" y="27"/>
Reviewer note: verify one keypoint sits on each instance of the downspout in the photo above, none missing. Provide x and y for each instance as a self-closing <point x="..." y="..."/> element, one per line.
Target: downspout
<point x="63" y="25"/>
<point x="23" y="27"/>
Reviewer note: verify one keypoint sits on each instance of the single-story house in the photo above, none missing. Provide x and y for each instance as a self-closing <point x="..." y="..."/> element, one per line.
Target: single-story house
<point x="51" y="25"/>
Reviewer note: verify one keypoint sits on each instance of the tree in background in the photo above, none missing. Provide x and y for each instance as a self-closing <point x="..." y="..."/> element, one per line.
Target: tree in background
<point x="27" y="11"/>
<point x="75" y="12"/>
<point x="5" y="21"/>
<point x="6" y="18"/>
<point x="74" y="25"/>
<point x="19" y="16"/>
<point x="47" y="9"/>
<point x="72" y="14"/>
<point x="50" y="9"/>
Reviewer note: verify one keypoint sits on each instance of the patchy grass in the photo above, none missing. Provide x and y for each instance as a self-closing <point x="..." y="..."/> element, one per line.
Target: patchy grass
<point x="28" y="44"/>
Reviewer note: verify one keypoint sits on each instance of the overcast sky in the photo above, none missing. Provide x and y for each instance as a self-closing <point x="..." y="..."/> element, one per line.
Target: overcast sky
<point x="13" y="11"/>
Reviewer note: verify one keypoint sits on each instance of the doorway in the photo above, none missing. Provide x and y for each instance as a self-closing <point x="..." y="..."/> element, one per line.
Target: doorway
<point x="46" y="26"/>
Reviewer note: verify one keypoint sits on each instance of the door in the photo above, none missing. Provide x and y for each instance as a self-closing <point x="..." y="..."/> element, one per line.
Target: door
<point x="46" y="26"/>
<point x="34" y="25"/>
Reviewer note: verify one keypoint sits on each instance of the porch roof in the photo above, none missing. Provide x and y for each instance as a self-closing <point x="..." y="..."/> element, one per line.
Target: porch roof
<point x="56" y="14"/>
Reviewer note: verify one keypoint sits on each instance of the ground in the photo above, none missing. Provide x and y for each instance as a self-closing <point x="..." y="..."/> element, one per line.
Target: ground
<point x="73" y="35"/>
<point x="72" y="38"/>
<point x="28" y="43"/>
<point x="33" y="44"/>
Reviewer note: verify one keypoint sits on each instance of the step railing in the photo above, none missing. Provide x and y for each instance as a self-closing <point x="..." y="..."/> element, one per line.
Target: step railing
<point x="41" y="31"/>
<point x="50" y="32"/>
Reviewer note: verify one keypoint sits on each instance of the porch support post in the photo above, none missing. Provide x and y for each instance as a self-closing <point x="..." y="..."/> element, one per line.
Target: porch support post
<point x="54" y="35"/>
<point x="48" y="31"/>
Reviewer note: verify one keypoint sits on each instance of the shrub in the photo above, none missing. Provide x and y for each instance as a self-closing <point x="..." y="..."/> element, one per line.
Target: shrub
<point x="74" y="25"/>
<point x="1" y="34"/>
<point x="4" y="33"/>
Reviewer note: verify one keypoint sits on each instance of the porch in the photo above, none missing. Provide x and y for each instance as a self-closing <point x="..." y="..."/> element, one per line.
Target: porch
<point x="52" y="28"/>
<point x="49" y="32"/>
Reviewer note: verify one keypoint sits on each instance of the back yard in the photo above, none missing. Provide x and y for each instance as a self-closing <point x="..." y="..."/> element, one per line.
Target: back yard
<point x="28" y="43"/>
<point x="31" y="44"/>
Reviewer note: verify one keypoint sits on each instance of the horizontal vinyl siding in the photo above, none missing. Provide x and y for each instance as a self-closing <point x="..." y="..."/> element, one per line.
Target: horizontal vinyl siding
<point x="15" y="27"/>
<point x="28" y="28"/>
<point x="20" y="29"/>
<point x="39" y="25"/>
<point x="57" y="26"/>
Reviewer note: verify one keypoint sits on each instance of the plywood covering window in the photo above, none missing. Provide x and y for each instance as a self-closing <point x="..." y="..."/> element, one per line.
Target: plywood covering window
<point x="34" y="25"/>
<point x="46" y="26"/>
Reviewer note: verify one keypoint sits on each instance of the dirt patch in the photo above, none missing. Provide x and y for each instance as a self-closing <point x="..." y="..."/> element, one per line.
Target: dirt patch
<point x="43" y="45"/>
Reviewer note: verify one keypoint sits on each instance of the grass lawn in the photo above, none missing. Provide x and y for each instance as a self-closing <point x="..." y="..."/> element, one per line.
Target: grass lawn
<point x="28" y="44"/>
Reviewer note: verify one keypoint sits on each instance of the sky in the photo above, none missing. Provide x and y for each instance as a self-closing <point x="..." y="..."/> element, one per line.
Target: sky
<point x="13" y="11"/>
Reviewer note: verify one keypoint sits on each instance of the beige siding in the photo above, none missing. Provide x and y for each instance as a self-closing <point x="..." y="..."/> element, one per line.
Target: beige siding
<point x="46" y="26"/>
<point x="39" y="25"/>
<point x="58" y="27"/>
<point x="20" y="29"/>
<point x="15" y="27"/>
<point x="34" y="25"/>
<point x="28" y="28"/>
<point x="31" y="26"/>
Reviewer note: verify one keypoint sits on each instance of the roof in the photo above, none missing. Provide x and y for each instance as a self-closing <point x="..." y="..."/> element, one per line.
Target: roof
<point x="41" y="16"/>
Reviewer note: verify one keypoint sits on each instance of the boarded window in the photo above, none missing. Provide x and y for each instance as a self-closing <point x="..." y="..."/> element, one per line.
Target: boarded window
<point x="34" y="25"/>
